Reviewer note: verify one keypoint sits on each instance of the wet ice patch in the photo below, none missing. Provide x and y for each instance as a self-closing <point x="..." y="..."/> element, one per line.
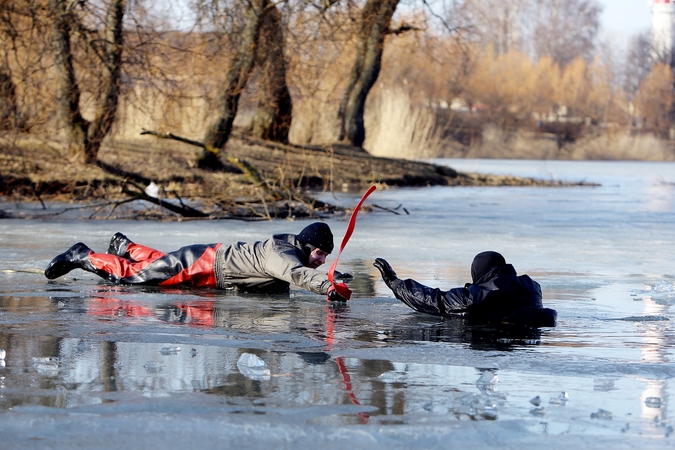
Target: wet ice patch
<point x="644" y="318"/>
<point x="153" y="367"/>
<point x="662" y="292"/>
<point x="603" y="384"/>
<point x="601" y="414"/>
<point x="540" y="412"/>
<point x="665" y="286"/>
<point x="560" y="400"/>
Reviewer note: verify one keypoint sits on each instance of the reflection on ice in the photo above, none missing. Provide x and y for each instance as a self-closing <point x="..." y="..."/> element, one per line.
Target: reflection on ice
<point x="538" y="412"/>
<point x="171" y="350"/>
<point x="145" y="352"/>
<point x="153" y="366"/>
<point x="653" y="402"/>
<point x="487" y="378"/>
<point x="46" y="366"/>
<point x="603" y="384"/>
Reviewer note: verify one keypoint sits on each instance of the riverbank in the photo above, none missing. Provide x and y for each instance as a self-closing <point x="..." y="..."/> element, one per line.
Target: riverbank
<point x="163" y="175"/>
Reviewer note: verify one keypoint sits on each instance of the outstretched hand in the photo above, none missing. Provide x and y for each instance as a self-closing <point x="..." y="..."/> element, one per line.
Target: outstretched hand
<point x="388" y="274"/>
<point x="346" y="277"/>
<point x="333" y="295"/>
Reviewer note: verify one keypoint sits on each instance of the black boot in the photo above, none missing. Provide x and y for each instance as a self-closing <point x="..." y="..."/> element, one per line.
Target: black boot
<point x="76" y="257"/>
<point x="118" y="245"/>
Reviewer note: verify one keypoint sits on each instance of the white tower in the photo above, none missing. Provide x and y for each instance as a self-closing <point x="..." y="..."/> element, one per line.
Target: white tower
<point x="663" y="31"/>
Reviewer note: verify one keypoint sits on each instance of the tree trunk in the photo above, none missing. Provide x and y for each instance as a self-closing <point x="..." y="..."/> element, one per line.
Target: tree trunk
<point x="67" y="90"/>
<point x="84" y="137"/>
<point x="373" y="28"/>
<point x="235" y="80"/>
<point x="272" y="119"/>
<point x="9" y="113"/>
<point x="106" y="110"/>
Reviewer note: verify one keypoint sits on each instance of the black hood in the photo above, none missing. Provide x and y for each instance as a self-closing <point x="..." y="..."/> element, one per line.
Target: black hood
<point x="484" y="262"/>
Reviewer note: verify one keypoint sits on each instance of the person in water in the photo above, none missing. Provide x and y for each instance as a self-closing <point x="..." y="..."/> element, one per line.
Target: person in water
<point x="269" y="266"/>
<point x="497" y="294"/>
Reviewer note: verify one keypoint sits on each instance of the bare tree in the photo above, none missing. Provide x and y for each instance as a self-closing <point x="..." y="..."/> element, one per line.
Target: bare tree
<point x="23" y="64"/>
<point x="654" y="99"/>
<point x="372" y="29"/>
<point x="272" y="120"/>
<point x="561" y="29"/>
<point x="235" y="81"/>
<point x="502" y="23"/>
<point x="566" y="29"/>
<point x="9" y="112"/>
<point x="85" y="137"/>
<point x="638" y="63"/>
<point x="8" y="106"/>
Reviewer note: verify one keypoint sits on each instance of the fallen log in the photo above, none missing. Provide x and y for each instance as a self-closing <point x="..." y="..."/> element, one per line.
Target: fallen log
<point x="183" y="210"/>
<point x="251" y="172"/>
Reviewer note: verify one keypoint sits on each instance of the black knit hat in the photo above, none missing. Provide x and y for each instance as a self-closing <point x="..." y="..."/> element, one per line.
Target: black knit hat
<point x="484" y="262"/>
<point x="317" y="235"/>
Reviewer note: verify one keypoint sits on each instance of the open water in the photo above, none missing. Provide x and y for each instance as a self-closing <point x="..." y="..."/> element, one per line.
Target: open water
<point x="91" y="365"/>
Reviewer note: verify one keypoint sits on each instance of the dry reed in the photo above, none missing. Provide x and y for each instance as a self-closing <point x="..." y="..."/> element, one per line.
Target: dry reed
<point x="396" y="127"/>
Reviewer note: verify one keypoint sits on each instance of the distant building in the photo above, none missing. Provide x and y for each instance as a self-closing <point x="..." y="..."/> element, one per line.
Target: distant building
<point x="663" y="31"/>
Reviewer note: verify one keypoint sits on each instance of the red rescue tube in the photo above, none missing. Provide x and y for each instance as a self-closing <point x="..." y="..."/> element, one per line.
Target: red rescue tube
<point x="342" y="288"/>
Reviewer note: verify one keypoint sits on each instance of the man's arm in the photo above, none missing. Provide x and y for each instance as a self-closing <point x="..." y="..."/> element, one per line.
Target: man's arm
<point x="431" y="300"/>
<point x="423" y="298"/>
<point x="282" y="263"/>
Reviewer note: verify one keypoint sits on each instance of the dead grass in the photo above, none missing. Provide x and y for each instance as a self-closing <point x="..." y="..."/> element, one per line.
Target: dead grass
<point x="623" y="146"/>
<point x="396" y="127"/>
<point x="597" y="145"/>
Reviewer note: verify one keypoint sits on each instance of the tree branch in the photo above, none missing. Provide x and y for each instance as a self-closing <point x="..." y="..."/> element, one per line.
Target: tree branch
<point x="185" y="211"/>
<point x="445" y="24"/>
<point x="251" y="172"/>
<point x="403" y="28"/>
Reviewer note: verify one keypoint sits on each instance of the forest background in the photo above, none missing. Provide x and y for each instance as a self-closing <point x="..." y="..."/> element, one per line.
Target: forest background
<point x="488" y="78"/>
<point x="402" y="79"/>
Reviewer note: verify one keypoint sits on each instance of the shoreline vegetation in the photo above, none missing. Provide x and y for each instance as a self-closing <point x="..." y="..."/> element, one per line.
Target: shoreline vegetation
<point x="251" y="110"/>
<point x="156" y="179"/>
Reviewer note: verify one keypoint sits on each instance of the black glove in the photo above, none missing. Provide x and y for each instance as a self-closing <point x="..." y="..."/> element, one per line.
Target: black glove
<point x="388" y="274"/>
<point x="342" y="276"/>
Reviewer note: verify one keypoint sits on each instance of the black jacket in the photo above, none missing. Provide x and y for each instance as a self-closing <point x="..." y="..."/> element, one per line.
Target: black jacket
<point x="498" y="296"/>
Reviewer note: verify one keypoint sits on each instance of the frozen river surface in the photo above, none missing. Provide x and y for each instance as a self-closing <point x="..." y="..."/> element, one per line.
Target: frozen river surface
<point x="91" y="365"/>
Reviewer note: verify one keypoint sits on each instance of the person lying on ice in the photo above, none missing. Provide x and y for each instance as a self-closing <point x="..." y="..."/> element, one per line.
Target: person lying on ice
<point x="268" y="266"/>
<point x="497" y="294"/>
